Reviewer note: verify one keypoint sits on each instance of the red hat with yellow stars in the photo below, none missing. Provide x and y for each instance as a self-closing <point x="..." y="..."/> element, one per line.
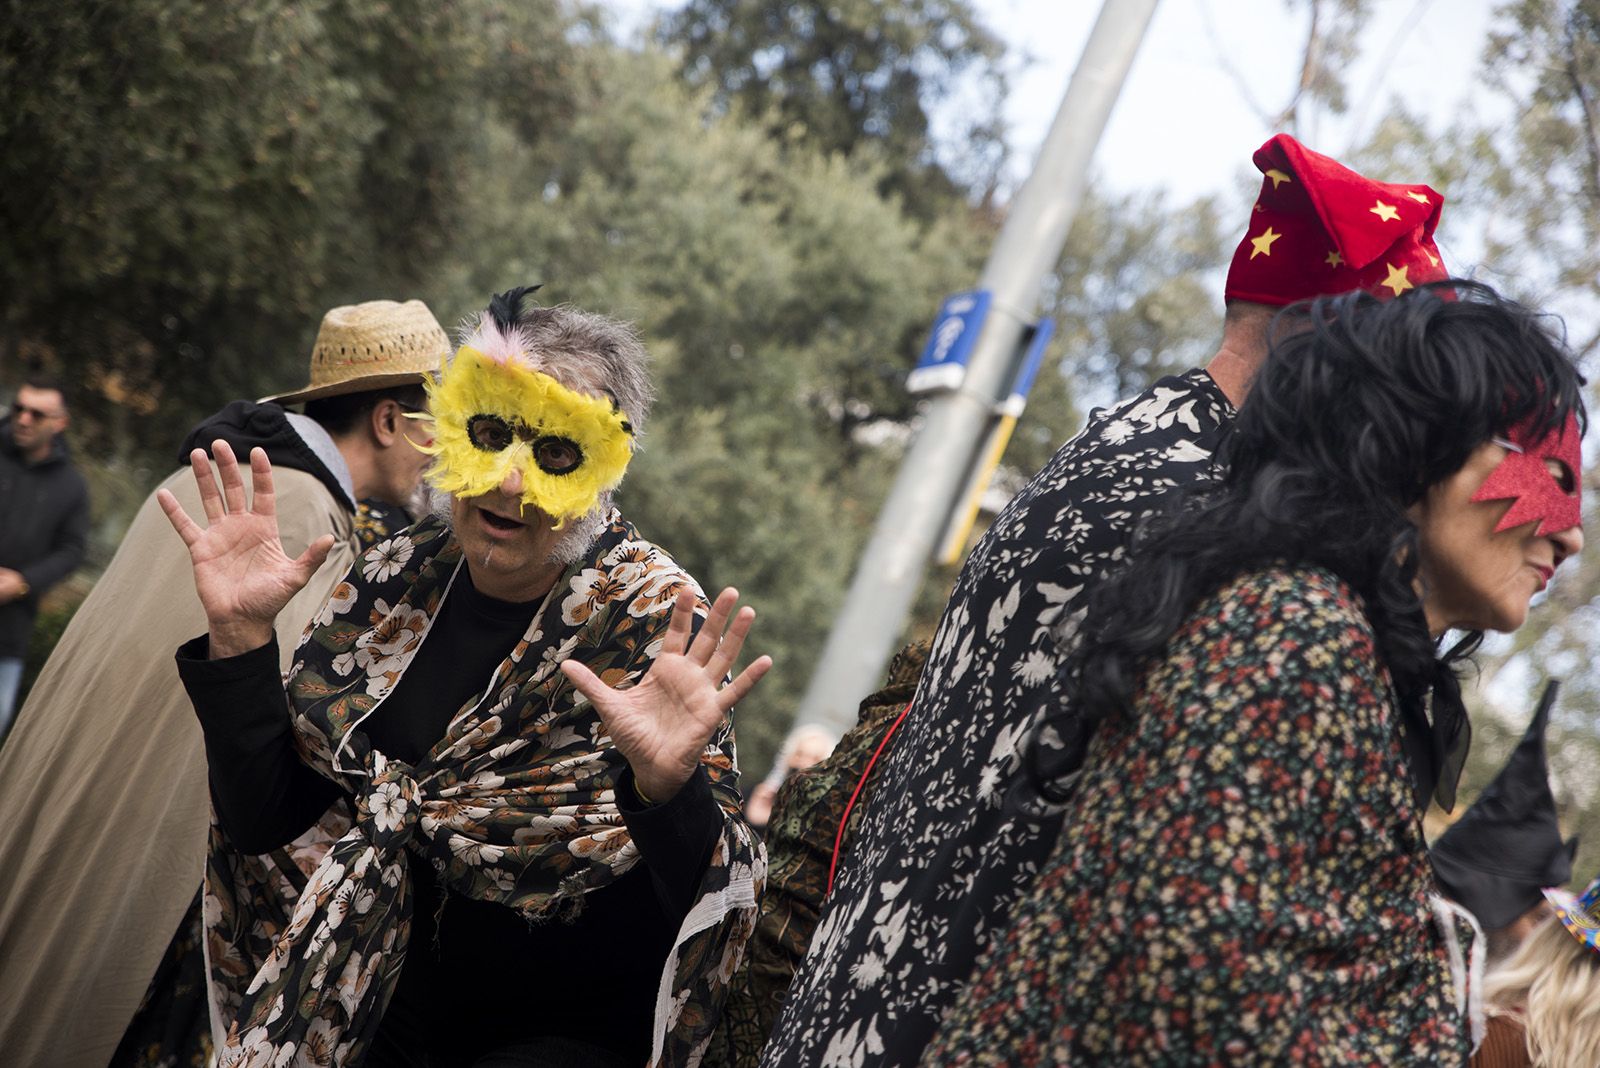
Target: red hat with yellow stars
<point x="1320" y="229"/>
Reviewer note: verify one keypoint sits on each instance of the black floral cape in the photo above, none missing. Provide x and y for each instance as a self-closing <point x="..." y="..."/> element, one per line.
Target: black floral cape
<point x="515" y="804"/>
<point x="939" y="856"/>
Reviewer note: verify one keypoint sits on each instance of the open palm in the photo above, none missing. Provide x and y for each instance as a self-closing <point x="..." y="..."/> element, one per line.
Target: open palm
<point x="241" y="573"/>
<point x="662" y="725"/>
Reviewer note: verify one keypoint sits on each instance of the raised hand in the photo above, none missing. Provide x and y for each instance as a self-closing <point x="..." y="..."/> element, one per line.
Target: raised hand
<point x="662" y="725"/>
<point x="243" y="576"/>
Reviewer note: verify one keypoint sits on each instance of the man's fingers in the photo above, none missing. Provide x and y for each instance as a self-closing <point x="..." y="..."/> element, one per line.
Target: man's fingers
<point x="587" y="683"/>
<point x="228" y="472"/>
<point x="728" y="651"/>
<point x="206" y="483"/>
<point x="710" y="636"/>
<point x="313" y="557"/>
<point x="678" y="627"/>
<point x="740" y="687"/>
<point x="263" y="500"/>
<point x="187" y="528"/>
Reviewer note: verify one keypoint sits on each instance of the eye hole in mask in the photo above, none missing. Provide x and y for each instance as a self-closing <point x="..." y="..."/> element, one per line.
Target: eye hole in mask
<point x="490" y="433"/>
<point x="557" y="455"/>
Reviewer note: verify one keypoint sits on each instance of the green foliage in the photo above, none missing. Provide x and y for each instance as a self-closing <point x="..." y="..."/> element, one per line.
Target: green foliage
<point x="1139" y="287"/>
<point x="783" y="301"/>
<point x="186" y="186"/>
<point x="179" y="216"/>
<point x="855" y="76"/>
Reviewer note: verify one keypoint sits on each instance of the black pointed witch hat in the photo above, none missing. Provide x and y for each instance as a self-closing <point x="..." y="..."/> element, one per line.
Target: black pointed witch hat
<point x="1500" y="855"/>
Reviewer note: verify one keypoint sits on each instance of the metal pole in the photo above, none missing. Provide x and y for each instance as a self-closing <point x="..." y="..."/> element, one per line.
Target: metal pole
<point x="937" y="464"/>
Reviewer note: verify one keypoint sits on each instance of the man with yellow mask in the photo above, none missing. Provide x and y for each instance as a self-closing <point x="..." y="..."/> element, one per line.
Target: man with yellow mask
<point x="507" y="753"/>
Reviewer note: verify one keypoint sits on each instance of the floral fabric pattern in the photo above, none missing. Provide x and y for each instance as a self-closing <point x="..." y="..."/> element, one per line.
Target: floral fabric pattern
<point x="516" y="804"/>
<point x="800" y="840"/>
<point x="938" y="859"/>
<point x="378" y="520"/>
<point x="1243" y="877"/>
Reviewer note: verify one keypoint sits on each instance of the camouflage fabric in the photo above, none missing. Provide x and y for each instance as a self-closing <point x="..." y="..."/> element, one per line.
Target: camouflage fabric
<point x="800" y="839"/>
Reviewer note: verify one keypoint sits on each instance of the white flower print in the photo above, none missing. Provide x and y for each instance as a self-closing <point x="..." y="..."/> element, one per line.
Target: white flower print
<point x="1034" y="668"/>
<point x="384" y="650"/>
<point x="932" y="839"/>
<point x="255" y="1050"/>
<point x="386" y="559"/>
<point x="364" y="900"/>
<point x="868" y="970"/>
<point x="470" y="851"/>
<point x="337" y="604"/>
<point x="319" y="1044"/>
<point x="1117" y="431"/>
<point x="592" y="590"/>
<point x="388" y="806"/>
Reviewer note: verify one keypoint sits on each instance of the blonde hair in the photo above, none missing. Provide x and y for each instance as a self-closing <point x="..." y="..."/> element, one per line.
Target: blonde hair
<point x="1555" y="980"/>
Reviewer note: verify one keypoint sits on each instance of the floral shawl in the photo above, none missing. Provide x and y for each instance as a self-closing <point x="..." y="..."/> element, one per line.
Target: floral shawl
<point x="515" y="804"/>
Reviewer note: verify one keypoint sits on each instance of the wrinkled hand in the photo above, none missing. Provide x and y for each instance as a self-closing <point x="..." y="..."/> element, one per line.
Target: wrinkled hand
<point x="662" y="725"/>
<point x="243" y="576"/>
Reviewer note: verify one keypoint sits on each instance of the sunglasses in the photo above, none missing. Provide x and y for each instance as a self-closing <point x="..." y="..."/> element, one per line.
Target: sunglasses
<point x="38" y="415"/>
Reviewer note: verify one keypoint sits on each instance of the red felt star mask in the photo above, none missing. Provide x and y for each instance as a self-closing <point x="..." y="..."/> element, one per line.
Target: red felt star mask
<point x="1538" y="493"/>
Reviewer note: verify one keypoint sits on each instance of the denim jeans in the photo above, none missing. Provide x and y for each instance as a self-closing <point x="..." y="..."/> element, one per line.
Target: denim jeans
<point x="10" y="679"/>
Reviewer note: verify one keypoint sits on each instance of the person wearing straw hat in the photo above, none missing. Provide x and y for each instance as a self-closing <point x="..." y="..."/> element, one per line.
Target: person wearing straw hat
<point x="104" y="774"/>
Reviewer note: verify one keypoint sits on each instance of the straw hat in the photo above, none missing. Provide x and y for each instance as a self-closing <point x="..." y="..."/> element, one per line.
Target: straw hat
<point x="375" y="345"/>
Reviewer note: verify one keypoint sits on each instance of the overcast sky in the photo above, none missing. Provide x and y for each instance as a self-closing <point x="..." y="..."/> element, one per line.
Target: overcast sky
<point x="1190" y="113"/>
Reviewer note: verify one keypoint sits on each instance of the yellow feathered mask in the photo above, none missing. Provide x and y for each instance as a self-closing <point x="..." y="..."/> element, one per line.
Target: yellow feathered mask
<point x="493" y="411"/>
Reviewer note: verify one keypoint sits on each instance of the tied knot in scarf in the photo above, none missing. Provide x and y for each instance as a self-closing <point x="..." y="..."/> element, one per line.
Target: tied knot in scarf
<point x="388" y="810"/>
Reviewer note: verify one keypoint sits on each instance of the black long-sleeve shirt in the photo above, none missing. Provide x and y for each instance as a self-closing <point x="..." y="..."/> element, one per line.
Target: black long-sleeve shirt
<point x="485" y="978"/>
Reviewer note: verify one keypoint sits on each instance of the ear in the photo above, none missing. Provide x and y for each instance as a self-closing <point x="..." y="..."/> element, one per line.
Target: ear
<point x="385" y="422"/>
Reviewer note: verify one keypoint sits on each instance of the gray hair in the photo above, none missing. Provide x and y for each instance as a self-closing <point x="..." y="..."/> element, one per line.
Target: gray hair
<point x="591" y="353"/>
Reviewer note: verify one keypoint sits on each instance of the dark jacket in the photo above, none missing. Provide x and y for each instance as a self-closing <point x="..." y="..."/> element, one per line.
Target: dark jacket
<point x="44" y="530"/>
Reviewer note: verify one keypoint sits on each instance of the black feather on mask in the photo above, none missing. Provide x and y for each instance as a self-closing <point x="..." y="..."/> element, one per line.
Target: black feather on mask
<point x="506" y="308"/>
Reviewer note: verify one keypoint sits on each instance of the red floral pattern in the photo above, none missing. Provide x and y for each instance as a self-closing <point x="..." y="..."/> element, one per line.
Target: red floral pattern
<point x="1243" y="877"/>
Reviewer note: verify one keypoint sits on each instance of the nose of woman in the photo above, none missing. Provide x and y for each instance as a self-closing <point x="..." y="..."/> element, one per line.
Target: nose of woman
<point x="1568" y="542"/>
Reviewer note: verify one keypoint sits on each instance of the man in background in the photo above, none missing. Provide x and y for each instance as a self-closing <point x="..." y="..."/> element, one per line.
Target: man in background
<point x="44" y="521"/>
<point x="105" y="778"/>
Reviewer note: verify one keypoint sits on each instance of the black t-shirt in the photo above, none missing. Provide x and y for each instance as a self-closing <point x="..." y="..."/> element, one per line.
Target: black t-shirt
<point x="478" y="976"/>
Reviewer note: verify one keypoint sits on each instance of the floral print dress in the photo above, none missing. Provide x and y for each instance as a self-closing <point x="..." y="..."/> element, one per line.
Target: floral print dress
<point x="1242" y="878"/>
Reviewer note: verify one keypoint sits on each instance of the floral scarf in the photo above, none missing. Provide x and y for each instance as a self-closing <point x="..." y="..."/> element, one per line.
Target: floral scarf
<point x="515" y="804"/>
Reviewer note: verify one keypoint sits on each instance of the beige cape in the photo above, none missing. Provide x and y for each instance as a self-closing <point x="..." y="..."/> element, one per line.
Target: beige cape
<point x="103" y="786"/>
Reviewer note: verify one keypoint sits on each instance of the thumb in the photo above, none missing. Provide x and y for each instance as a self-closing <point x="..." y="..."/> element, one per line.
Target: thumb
<point x="587" y="683"/>
<point x="315" y="555"/>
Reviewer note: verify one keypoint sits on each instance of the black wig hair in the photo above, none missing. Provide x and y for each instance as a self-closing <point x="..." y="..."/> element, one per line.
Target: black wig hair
<point x="1359" y="407"/>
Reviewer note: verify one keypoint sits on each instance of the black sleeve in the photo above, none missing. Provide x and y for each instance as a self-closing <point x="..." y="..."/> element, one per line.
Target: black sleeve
<point x="68" y="544"/>
<point x="675" y="838"/>
<point x="265" y="796"/>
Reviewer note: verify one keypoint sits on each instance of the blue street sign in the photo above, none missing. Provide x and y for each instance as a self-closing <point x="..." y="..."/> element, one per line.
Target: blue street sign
<point x="1038" y="339"/>
<point x="943" y="364"/>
